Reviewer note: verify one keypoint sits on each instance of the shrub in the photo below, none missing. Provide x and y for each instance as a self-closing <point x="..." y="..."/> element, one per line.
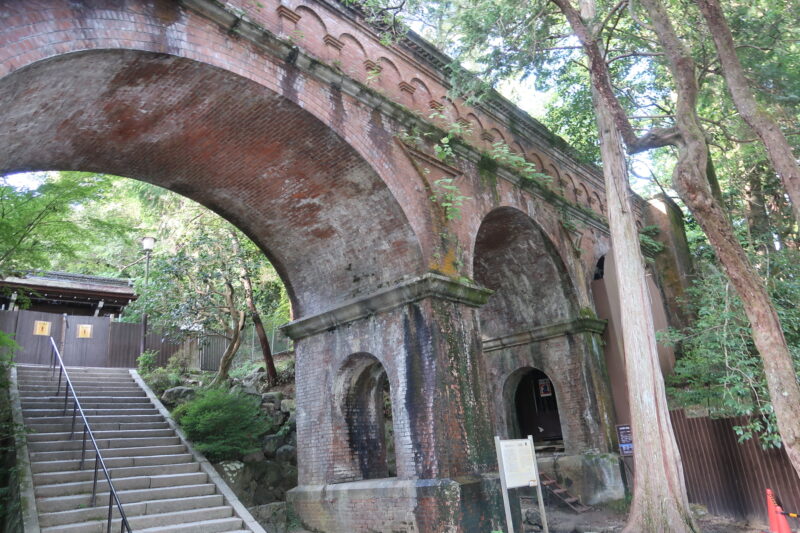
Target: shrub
<point x="180" y="361"/>
<point x="146" y="362"/>
<point x="222" y="425"/>
<point x="162" y="379"/>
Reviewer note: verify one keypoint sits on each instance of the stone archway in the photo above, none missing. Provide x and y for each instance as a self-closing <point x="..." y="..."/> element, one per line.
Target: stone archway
<point x="296" y="188"/>
<point x="533" y="321"/>
<point x="362" y="392"/>
<point x="532" y="398"/>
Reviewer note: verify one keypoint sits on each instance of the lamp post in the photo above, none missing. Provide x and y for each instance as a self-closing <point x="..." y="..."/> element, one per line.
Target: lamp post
<point x="147" y="246"/>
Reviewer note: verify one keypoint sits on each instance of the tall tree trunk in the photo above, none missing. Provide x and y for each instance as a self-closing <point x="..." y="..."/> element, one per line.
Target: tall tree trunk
<point x="660" y="503"/>
<point x="757" y="219"/>
<point x="238" y="320"/>
<point x="690" y="180"/>
<point x="266" y="351"/>
<point x="272" y="372"/>
<point x="779" y="151"/>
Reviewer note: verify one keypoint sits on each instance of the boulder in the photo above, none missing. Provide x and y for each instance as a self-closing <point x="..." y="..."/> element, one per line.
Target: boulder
<point x="288" y="406"/>
<point x="271" y="516"/>
<point x="272" y="443"/>
<point x="274" y="398"/>
<point x="177" y="395"/>
<point x="286" y="454"/>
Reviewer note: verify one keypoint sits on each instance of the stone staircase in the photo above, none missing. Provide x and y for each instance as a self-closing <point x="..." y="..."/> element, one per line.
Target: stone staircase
<point x="159" y="480"/>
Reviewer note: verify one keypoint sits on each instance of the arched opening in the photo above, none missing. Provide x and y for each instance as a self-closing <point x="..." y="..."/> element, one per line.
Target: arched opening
<point x="533" y="298"/>
<point x="364" y="401"/>
<point x="536" y="409"/>
<point x="514" y="258"/>
<point x="302" y="193"/>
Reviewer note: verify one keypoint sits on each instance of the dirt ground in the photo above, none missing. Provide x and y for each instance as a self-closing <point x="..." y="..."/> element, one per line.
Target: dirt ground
<point x="608" y="521"/>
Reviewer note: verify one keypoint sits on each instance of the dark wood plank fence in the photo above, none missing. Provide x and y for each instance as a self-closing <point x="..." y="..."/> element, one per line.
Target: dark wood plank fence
<point x="108" y="344"/>
<point x="729" y="477"/>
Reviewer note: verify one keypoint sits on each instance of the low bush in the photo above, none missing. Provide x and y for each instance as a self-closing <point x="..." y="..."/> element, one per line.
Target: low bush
<point x="222" y="425"/>
<point x="146" y="362"/>
<point x="162" y="379"/>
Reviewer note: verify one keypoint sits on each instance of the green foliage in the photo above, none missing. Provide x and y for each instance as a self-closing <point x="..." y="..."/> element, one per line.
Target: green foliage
<point x="180" y="361"/>
<point x="447" y="194"/>
<point x="223" y="426"/>
<point x="146" y="362"/>
<point x="40" y="227"/>
<point x="9" y="502"/>
<point x="720" y="368"/>
<point x="161" y="379"/>
<point x="501" y="153"/>
<point x="647" y="239"/>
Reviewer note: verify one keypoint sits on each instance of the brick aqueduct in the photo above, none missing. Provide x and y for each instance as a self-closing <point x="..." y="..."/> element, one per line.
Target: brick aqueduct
<point x="287" y="119"/>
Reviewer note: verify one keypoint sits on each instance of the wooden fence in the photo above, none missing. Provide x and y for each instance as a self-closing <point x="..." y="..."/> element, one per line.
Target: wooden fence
<point x="730" y="477"/>
<point x="103" y="343"/>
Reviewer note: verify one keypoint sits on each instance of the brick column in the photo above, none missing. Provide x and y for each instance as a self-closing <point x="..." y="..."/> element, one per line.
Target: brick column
<point x="424" y="332"/>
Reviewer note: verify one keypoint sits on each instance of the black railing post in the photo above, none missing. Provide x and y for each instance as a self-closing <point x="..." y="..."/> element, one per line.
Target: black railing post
<point x="83" y="448"/>
<point x="74" y="412"/>
<point x="58" y="388"/>
<point x="94" y="485"/>
<point x="110" y="501"/>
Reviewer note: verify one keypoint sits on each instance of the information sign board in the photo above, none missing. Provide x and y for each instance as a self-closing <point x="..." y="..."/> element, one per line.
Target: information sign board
<point x="625" y="438"/>
<point x="519" y="466"/>
<point x="517" y="461"/>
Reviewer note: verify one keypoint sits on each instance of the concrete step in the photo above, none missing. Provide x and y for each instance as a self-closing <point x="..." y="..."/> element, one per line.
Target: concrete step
<point x="41" y="413"/>
<point x="37" y="457"/>
<point x="86" y="401"/>
<point x="100" y="435"/>
<point x="123" y="483"/>
<point x="112" y="462"/>
<point x="52" y="390"/>
<point x="209" y="526"/>
<point x="79" y="501"/>
<point x="74" y="476"/>
<point x="31" y="393"/>
<point x="66" y="518"/>
<point x="76" y="381"/>
<point x="61" y="427"/>
<point x="208" y="520"/>
<point x="93" y="419"/>
<point x="103" y="444"/>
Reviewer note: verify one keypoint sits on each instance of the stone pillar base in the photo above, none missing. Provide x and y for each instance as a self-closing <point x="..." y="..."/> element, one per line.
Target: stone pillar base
<point x="595" y="478"/>
<point x="470" y="504"/>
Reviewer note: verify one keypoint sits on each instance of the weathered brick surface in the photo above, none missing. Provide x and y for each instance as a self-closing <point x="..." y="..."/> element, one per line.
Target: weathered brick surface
<point x="284" y="118"/>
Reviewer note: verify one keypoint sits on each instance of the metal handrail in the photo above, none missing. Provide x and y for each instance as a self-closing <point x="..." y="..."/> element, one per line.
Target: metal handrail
<point x="98" y="458"/>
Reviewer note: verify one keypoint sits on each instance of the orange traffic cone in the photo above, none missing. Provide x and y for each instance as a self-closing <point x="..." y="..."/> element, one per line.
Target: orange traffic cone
<point x="771" y="513"/>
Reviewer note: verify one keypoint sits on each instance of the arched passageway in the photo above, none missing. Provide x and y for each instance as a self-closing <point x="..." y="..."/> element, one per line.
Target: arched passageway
<point x="535" y="407"/>
<point x="363" y="398"/>
<point x="535" y="341"/>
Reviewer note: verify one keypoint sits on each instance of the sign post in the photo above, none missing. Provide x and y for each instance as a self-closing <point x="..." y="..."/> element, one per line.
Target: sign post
<point x="517" y="462"/>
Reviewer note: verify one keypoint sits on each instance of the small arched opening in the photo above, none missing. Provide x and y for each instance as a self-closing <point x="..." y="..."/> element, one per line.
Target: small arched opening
<point x="532" y="400"/>
<point x="364" y="400"/>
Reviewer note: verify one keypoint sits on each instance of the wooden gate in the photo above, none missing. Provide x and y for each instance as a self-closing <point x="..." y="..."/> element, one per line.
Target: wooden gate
<point x="86" y="341"/>
<point x="32" y="331"/>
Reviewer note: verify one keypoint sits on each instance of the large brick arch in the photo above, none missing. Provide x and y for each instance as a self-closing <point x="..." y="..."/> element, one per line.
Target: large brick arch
<point x="515" y="258"/>
<point x="298" y="189"/>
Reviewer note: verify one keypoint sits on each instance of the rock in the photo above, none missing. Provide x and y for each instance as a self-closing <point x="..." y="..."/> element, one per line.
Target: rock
<point x="272" y="398"/>
<point x="272" y="443"/>
<point x="254" y="457"/>
<point x="286" y="454"/>
<point x="288" y="406"/>
<point x="271" y="516"/>
<point x="177" y="395"/>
